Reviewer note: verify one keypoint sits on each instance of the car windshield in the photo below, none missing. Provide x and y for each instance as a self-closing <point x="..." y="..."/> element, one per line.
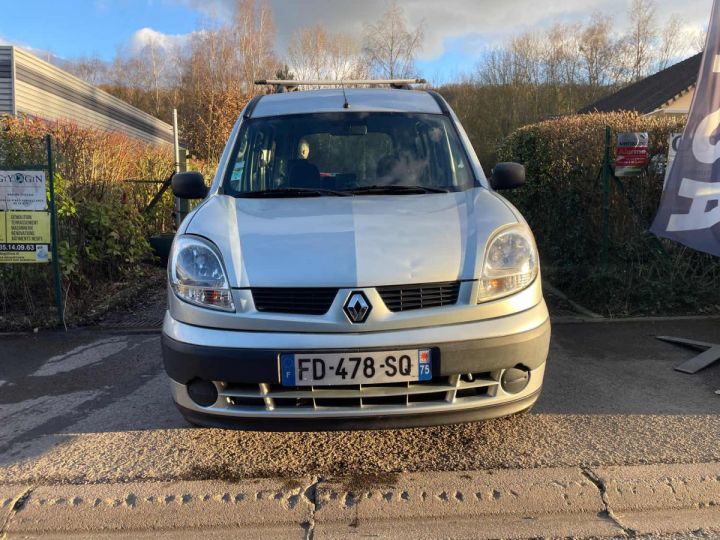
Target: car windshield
<point x="347" y="154"/>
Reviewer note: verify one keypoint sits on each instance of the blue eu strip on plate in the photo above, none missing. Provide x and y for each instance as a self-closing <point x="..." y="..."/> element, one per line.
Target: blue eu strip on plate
<point x="424" y="365"/>
<point x="287" y="368"/>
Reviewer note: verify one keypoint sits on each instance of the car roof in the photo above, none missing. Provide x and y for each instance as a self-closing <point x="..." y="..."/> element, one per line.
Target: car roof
<point x="360" y="100"/>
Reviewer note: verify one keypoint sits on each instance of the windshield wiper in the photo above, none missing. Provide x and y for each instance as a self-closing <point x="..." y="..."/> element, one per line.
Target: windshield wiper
<point x="292" y="192"/>
<point x="409" y="190"/>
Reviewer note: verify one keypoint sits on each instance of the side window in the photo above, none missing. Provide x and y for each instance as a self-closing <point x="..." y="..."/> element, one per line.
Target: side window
<point x="254" y="160"/>
<point x="238" y="170"/>
<point x="463" y="175"/>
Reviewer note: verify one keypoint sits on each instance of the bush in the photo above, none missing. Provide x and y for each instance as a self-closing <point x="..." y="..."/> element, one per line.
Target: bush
<point x="103" y="230"/>
<point x="562" y="201"/>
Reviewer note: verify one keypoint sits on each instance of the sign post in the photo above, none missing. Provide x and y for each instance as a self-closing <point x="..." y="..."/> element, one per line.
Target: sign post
<point x="54" y="233"/>
<point x="606" y="172"/>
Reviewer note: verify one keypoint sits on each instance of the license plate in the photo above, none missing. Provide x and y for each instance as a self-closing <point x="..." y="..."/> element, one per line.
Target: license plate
<point x="332" y="369"/>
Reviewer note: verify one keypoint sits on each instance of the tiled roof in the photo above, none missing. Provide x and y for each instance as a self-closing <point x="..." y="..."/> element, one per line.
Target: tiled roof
<point x="650" y="93"/>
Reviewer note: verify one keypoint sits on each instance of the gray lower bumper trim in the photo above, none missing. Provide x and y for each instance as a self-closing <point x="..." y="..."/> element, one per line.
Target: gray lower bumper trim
<point x="185" y="361"/>
<point x="485" y="412"/>
<point x="527" y="348"/>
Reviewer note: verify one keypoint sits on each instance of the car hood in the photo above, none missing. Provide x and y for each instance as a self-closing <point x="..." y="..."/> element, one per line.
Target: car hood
<point x="355" y="241"/>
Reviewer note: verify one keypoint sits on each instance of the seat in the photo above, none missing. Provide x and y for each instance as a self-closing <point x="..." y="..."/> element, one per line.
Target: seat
<point x="388" y="168"/>
<point x="303" y="174"/>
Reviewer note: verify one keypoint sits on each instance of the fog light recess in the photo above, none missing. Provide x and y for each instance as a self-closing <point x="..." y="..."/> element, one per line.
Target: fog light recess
<point x="515" y="380"/>
<point x="202" y="392"/>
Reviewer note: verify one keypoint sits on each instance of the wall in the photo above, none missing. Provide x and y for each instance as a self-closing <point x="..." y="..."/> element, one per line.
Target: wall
<point x="6" y="86"/>
<point x="45" y="91"/>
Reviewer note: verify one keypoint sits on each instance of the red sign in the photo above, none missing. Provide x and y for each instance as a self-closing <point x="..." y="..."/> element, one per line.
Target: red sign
<point x="632" y="154"/>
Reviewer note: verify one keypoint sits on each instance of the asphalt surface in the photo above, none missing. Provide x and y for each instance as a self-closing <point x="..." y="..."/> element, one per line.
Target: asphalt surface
<point x="89" y="406"/>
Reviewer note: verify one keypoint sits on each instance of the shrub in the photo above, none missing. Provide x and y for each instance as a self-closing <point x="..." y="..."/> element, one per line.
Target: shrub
<point x="562" y="201"/>
<point x="102" y="228"/>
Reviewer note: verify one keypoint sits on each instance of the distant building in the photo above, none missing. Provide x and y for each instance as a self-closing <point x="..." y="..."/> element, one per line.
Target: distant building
<point x="30" y="86"/>
<point x="669" y="91"/>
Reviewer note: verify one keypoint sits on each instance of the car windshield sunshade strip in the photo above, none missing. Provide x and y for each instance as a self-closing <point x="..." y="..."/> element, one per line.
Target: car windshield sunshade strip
<point x="293" y="192"/>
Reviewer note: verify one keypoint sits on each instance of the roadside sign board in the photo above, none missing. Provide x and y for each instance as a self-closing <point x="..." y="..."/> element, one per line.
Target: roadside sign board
<point x="22" y="190"/>
<point x="24" y="219"/>
<point x="632" y="153"/>
<point x="24" y="237"/>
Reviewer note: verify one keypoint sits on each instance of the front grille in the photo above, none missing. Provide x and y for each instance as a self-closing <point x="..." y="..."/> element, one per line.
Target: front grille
<point x="442" y="391"/>
<point x="426" y="295"/>
<point x="303" y="301"/>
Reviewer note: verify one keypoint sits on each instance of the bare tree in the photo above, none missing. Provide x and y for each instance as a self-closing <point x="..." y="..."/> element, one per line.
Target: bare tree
<point x="697" y="39"/>
<point x="391" y="45"/>
<point x="496" y="67"/>
<point x="90" y="69"/>
<point x="561" y="54"/>
<point x="601" y="55"/>
<point x="527" y="58"/>
<point x="673" y="41"/>
<point x="154" y="61"/>
<point x="641" y="37"/>
<point x="314" y="53"/>
<point x="254" y="30"/>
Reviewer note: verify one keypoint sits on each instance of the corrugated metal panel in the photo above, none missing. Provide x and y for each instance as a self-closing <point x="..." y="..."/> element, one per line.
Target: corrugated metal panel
<point x="6" y="97"/>
<point x="48" y="92"/>
<point x="35" y="102"/>
<point x="37" y="82"/>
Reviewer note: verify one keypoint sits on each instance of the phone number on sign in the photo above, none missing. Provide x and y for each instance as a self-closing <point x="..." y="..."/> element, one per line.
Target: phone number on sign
<point x="17" y="247"/>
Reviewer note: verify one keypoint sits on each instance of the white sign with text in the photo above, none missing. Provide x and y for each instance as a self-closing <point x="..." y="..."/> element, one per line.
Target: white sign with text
<point x="22" y="190"/>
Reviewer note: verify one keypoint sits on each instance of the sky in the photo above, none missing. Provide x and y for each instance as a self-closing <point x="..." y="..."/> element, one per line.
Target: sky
<point x="456" y="31"/>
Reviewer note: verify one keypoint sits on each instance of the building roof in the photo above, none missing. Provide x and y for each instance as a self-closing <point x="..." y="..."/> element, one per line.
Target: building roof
<point x="360" y="99"/>
<point x="651" y="93"/>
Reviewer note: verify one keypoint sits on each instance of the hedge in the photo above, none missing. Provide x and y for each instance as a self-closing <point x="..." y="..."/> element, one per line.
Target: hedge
<point x="103" y="232"/>
<point x="562" y="202"/>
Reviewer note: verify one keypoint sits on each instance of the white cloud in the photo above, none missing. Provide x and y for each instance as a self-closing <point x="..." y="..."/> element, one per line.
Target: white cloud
<point x="44" y="54"/>
<point x="479" y="21"/>
<point x="148" y="36"/>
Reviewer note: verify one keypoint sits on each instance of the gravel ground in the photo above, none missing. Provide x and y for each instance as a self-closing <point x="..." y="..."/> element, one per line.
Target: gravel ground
<point x="535" y="441"/>
<point x="104" y="414"/>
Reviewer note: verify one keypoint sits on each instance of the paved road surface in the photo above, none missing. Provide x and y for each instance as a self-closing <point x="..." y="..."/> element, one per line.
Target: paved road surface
<point x="91" y="406"/>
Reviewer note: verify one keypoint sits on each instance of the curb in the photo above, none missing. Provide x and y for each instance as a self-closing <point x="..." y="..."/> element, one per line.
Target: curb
<point x="577" y="307"/>
<point x="603" y="502"/>
<point x="570" y="319"/>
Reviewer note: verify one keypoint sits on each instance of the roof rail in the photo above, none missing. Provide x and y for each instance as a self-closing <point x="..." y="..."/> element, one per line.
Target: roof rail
<point x="284" y="85"/>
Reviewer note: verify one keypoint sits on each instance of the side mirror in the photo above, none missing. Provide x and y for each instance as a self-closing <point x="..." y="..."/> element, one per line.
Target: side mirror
<point x="507" y="175"/>
<point x="189" y="185"/>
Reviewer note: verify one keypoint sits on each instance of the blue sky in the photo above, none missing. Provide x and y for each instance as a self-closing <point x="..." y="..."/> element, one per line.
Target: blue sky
<point x="457" y="31"/>
<point x="86" y="27"/>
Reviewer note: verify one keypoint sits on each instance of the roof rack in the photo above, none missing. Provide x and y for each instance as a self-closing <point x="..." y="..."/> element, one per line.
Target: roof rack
<point x="285" y="85"/>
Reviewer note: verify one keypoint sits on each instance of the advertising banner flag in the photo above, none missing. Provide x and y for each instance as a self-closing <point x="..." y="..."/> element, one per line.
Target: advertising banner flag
<point x="689" y="210"/>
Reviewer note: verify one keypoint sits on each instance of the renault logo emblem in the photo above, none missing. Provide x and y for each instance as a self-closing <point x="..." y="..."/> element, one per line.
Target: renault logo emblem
<point x="357" y="307"/>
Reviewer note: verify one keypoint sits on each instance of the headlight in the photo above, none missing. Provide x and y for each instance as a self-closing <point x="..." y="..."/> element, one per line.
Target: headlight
<point x="511" y="264"/>
<point x="197" y="275"/>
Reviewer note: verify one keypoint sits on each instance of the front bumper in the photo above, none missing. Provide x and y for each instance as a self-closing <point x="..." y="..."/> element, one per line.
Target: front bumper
<point x="468" y="362"/>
